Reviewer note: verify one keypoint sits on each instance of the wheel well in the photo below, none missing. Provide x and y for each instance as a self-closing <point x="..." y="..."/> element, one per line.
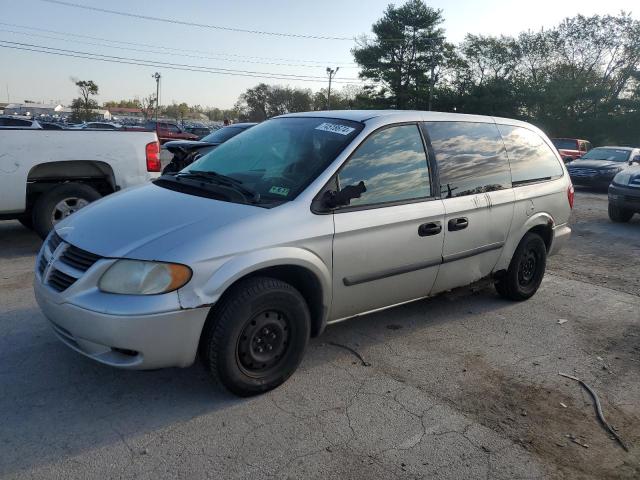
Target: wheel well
<point x="42" y="177"/>
<point x="304" y="281"/>
<point x="545" y="232"/>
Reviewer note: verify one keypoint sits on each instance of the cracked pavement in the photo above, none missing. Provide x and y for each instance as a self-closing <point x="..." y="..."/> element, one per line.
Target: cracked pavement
<point x="463" y="385"/>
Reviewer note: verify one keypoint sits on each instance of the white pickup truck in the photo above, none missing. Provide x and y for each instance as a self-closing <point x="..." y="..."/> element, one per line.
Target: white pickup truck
<point x="46" y="175"/>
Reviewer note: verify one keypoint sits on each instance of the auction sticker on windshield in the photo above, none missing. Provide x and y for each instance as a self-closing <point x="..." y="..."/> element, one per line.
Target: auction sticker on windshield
<point x="279" y="191"/>
<point x="335" y="128"/>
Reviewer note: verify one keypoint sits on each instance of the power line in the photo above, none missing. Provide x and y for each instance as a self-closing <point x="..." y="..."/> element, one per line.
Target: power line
<point x="83" y="42"/>
<point x="193" y="24"/>
<point x="170" y="66"/>
<point x="179" y="50"/>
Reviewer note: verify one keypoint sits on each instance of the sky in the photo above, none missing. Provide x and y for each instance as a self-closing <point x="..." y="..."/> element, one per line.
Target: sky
<point x="48" y="78"/>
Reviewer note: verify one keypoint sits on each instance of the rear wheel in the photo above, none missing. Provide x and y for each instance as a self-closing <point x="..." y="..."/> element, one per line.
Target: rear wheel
<point x="525" y="272"/>
<point x="58" y="203"/>
<point x="257" y="336"/>
<point x="619" y="215"/>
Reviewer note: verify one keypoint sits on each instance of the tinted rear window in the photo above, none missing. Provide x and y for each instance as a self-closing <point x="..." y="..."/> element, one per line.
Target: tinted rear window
<point x="14" y="122"/>
<point x="223" y="134"/>
<point x="470" y="156"/>
<point x="565" y="144"/>
<point x="531" y="158"/>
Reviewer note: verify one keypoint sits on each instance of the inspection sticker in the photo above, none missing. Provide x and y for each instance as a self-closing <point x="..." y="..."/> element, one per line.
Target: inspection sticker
<point x="279" y="191"/>
<point x="335" y="128"/>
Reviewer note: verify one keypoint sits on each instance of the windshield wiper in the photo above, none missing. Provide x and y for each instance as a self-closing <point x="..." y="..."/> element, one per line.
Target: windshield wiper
<point x="224" y="180"/>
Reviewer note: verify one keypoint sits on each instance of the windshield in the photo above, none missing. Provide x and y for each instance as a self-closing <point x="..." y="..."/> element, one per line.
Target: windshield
<point x="565" y="144"/>
<point x="610" y="154"/>
<point x="223" y="134"/>
<point x="279" y="158"/>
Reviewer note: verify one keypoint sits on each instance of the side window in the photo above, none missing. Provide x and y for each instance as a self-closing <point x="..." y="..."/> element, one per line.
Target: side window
<point x="471" y="158"/>
<point x="392" y="164"/>
<point x="14" y="122"/>
<point x="530" y="157"/>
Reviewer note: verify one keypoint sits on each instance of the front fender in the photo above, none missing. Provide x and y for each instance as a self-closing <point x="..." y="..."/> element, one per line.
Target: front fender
<point x="244" y="264"/>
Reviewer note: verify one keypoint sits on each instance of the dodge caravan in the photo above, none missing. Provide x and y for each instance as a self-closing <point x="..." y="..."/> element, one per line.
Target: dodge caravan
<point x="302" y="221"/>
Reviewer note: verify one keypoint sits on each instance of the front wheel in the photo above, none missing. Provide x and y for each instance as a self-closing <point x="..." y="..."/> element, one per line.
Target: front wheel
<point x="525" y="272"/>
<point x="257" y="336"/>
<point x="58" y="203"/>
<point x="619" y="215"/>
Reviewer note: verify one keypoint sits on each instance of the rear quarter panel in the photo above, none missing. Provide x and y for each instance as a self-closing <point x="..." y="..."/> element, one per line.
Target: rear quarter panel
<point x="21" y="150"/>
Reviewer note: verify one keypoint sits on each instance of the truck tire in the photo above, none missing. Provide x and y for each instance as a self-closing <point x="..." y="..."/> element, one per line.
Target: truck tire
<point x="619" y="215"/>
<point x="256" y="337"/>
<point x="58" y="203"/>
<point x="526" y="269"/>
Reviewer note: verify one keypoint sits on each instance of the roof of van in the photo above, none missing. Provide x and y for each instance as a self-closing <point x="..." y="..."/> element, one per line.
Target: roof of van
<point x="364" y="115"/>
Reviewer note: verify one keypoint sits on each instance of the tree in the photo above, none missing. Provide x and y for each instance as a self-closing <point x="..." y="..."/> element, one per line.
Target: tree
<point x="407" y="55"/>
<point x="147" y="105"/>
<point x="265" y="101"/>
<point x="84" y="105"/>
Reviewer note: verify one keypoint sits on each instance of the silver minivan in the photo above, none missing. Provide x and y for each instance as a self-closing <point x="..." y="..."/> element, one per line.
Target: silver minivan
<point x="302" y="221"/>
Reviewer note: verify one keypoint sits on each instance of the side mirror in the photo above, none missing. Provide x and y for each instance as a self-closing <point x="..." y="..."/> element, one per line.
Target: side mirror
<point x="635" y="159"/>
<point x="343" y="196"/>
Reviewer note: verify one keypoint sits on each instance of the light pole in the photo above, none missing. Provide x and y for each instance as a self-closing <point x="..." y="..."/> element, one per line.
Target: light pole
<point x="331" y="73"/>
<point x="157" y="76"/>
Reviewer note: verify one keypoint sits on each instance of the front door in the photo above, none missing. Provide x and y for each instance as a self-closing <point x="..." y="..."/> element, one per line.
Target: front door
<point x="475" y="187"/>
<point x="388" y="242"/>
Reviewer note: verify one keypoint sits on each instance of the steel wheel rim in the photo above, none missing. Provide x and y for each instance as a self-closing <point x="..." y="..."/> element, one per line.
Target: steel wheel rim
<point x="528" y="268"/>
<point x="263" y="343"/>
<point x="66" y="207"/>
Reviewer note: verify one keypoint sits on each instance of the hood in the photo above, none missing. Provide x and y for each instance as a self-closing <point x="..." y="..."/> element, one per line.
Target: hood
<point x="128" y="222"/>
<point x="186" y="145"/>
<point x="595" y="164"/>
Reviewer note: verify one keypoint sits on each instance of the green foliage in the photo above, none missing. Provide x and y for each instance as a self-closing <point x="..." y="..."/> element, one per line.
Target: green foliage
<point x="83" y="106"/>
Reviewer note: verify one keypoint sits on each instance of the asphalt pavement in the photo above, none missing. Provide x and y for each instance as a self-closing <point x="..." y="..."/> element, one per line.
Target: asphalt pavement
<point x="464" y="385"/>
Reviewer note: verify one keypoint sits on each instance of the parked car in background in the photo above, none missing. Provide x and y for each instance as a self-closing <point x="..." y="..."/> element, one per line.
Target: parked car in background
<point x="10" y="121"/>
<point x="624" y="192"/>
<point x="304" y="220"/>
<point x="101" y="126"/>
<point x="168" y="131"/>
<point x="45" y="177"/>
<point x="598" y="166"/>
<point x="571" y="148"/>
<point x="198" y="131"/>
<point x="52" y="126"/>
<point x="184" y="151"/>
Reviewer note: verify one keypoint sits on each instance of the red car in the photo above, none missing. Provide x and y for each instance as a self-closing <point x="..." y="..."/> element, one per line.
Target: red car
<point x="571" y="148"/>
<point x="169" y="131"/>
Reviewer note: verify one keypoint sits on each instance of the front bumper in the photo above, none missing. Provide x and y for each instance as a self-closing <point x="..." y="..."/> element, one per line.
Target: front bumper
<point x="625" y="197"/>
<point x="158" y="340"/>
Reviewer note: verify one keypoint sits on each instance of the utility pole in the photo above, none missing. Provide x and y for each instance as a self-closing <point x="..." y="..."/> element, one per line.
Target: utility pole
<point x="157" y="76"/>
<point x="331" y="73"/>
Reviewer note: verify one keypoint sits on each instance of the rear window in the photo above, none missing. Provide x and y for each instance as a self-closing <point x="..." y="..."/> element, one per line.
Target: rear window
<point x="470" y="156"/>
<point x="223" y="134"/>
<point x="531" y="158"/>
<point x="565" y="144"/>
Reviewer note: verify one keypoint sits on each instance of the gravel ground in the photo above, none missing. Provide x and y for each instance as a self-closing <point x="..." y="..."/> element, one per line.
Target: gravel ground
<point x="463" y="385"/>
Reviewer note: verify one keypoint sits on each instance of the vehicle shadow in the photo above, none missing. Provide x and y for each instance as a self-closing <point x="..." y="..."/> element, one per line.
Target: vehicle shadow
<point x="57" y="404"/>
<point x="17" y="241"/>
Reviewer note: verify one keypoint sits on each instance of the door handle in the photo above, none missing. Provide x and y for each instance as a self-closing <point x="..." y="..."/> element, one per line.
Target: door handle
<point x="458" y="224"/>
<point x="427" y="229"/>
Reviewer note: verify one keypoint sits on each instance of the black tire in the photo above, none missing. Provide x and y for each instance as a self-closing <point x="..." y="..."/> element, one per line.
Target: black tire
<point x="526" y="269"/>
<point x="26" y="219"/>
<point x="258" y="313"/>
<point x="619" y="215"/>
<point x="45" y="206"/>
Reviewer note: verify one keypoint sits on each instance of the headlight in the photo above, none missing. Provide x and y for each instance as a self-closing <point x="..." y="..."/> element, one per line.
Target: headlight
<point x="136" y="277"/>
<point x="622" y="178"/>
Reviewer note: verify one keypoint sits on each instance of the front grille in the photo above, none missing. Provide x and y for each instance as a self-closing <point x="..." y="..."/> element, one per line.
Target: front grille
<point x="582" y="172"/>
<point x="68" y="263"/>
<point x="78" y="258"/>
<point x="60" y="281"/>
<point x="54" y="242"/>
